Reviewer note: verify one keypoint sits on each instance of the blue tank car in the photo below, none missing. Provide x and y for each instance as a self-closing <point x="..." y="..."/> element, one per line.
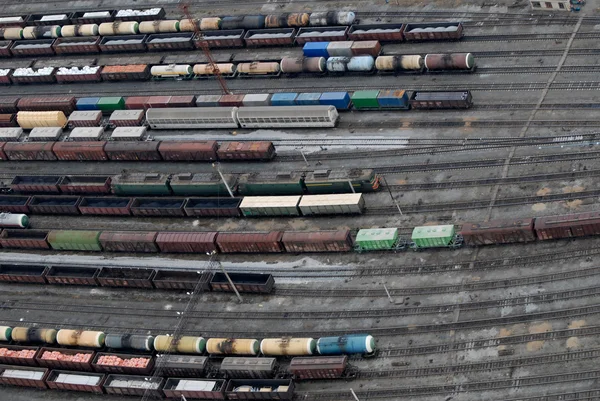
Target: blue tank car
<point x="350" y="344"/>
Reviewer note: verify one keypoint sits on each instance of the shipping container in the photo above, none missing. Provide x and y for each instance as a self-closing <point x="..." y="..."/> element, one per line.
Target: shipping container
<point x="129" y="364"/>
<point x="212" y="207"/>
<point x="54" y="204"/>
<point x="498" y="232"/>
<point x="188" y="151"/>
<point x="18" y="354"/>
<point x="429" y="31"/>
<point x="86" y="134"/>
<point x="321" y="34"/>
<point x="271" y="183"/>
<point x="139" y="386"/>
<point x="257" y="283"/>
<point x="23" y="376"/>
<point x="339" y="48"/>
<point x="380" y="32"/>
<point x="170" y="41"/>
<point x="215" y="39"/>
<point x="87" y="103"/>
<point x="317" y="241"/>
<point x="248" y="368"/>
<point x="35" y="184"/>
<point x="366" y="99"/>
<point x="128" y="241"/>
<point x="257" y="99"/>
<point x="250" y="242"/>
<point x="366" y="48"/>
<point x="132" y="151"/>
<point x="127" y="118"/>
<point x="154" y="102"/>
<point x="77" y="45"/>
<point x="80" y="150"/>
<point x="270" y="389"/>
<point x="74" y="240"/>
<point x="211" y="389"/>
<point x="34" y="274"/>
<point x="207" y="100"/>
<point x="270" y="37"/>
<point x="567" y="226"/>
<point x="181" y="279"/>
<point x="135" y="102"/>
<point x="181" y="101"/>
<point x="73" y="275"/>
<point x="29" y="151"/>
<point x="86" y="382"/>
<point x="340" y="100"/>
<point x="125" y="43"/>
<point x="139" y="72"/>
<point x="231" y="101"/>
<point x="125" y="277"/>
<point x="66" y="104"/>
<point x="433" y="236"/>
<point x="106" y="206"/>
<point x="324" y="367"/>
<point x="374" y="239"/>
<point x="315" y="49"/>
<point x="14" y="204"/>
<point x="79" y="118"/>
<point x="76" y="184"/>
<point x="393" y="99"/>
<point x="182" y="365"/>
<point x="109" y="104"/>
<point x="141" y="184"/>
<point x="158" y="206"/>
<point x="59" y="358"/>
<point x="202" y="184"/>
<point x="283" y="99"/>
<point x="33" y="48"/>
<point x="270" y="206"/>
<point x="351" y="203"/>
<point x="186" y="242"/>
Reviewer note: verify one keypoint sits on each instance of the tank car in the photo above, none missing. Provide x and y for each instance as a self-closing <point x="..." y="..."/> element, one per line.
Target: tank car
<point x="350" y="344"/>
<point x="9" y="220"/>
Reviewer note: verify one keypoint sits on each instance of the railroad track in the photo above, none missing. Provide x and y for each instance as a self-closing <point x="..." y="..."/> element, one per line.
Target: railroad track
<point x="309" y="315"/>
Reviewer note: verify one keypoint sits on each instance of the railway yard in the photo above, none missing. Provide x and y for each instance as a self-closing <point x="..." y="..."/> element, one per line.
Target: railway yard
<point x="425" y="231"/>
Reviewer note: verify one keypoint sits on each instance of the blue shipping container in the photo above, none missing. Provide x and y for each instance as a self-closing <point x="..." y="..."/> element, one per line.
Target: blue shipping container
<point x="315" y="49"/>
<point x="284" y="99"/>
<point x="341" y="100"/>
<point x="396" y="99"/>
<point x="350" y="344"/>
<point x="308" y="99"/>
<point x="87" y="103"/>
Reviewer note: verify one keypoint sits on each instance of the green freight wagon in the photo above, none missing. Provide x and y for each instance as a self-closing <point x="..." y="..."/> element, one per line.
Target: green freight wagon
<point x="202" y="184"/>
<point x="338" y="181"/>
<point x="362" y="100"/>
<point x="141" y="184"/>
<point x="110" y="104"/>
<point x="271" y="183"/>
<point x="74" y="240"/>
<point x="373" y="239"/>
<point x="435" y="236"/>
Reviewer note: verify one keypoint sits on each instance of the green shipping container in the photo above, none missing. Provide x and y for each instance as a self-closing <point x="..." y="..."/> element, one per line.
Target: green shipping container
<point x="433" y="236"/>
<point x="270" y="184"/>
<point x="74" y="240"/>
<point x="141" y="184"/>
<point x="376" y="238"/>
<point x="110" y="104"/>
<point x="202" y="184"/>
<point x="365" y="99"/>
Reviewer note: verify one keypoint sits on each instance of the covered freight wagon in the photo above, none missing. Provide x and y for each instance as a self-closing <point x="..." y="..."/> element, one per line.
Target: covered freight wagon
<point x="568" y="226"/>
<point x="249" y="368"/>
<point x="132" y="151"/>
<point x="186" y="242"/>
<point x="250" y="242"/>
<point x="74" y="240"/>
<point x="128" y="241"/>
<point x="261" y="150"/>
<point x="317" y="241"/>
<point x="188" y="151"/>
<point x="498" y="232"/>
<point x="182" y="365"/>
<point x="434" y="236"/>
<point x="324" y="367"/>
<point x="66" y="104"/>
<point x="29" y="150"/>
<point x="80" y="150"/>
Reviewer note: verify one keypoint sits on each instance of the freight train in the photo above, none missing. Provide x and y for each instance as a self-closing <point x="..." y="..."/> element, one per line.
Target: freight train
<point x="376" y="239"/>
<point x="319" y="62"/>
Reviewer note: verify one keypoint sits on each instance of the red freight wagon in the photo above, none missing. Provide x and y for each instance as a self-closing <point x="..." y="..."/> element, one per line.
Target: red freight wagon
<point x="261" y="150"/>
<point x="22" y="274"/>
<point x="53" y="204"/>
<point x="158" y="206"/>
<point x="18" y="354"/>
<point x="227" y="38"/>
<point x="380" y="32"/>
<point x="498" y="232"/>
<point x="61" y="358"/>
<point x="182" y="101"/>
<point x="29" y="151"/>
<point x="64" y="380"/>
<point x="8" y="120"/>
<point x="107" y="363"/>
<point x="128" y="241"/>
<point x="8" y="104"/>
<point x="256" y="283"/>
<point x="320" y="367"/>
<point x="250" y="242"/>
<point x="157" y="102"/>
<point x="37" y="377"/>
<point x="73" y="275"/>
<point x="66" y="104"/>
<point x="231" y="101"/>
<point x="567" y="226"/>
<point x="35" y="183"/>
<point x="132" y="151"/>
<point x="186" y="242"/>
<point x="318" y="241"/>
<point x="80" y="150"/>
<point x="87" y="44"/>
<point x="14" y="204"/>
<point x="181" y="280"/>
<point x="188" y="151"/>
<point x="135" y="102"/>
<point x="106" y="206"/>
<point x="126" y="277"/>
<point x="5" y="46"/>
<point x="75" y="184"/>
<point x="26" y="239"/>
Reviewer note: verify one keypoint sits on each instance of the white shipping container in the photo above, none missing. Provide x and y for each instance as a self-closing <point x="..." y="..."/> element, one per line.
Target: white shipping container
<point x="270" y="205"/>
<point x="332" y="204"/>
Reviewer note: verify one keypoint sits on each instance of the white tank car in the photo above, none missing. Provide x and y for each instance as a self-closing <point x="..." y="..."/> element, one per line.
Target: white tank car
<point x="9" y="220"/>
